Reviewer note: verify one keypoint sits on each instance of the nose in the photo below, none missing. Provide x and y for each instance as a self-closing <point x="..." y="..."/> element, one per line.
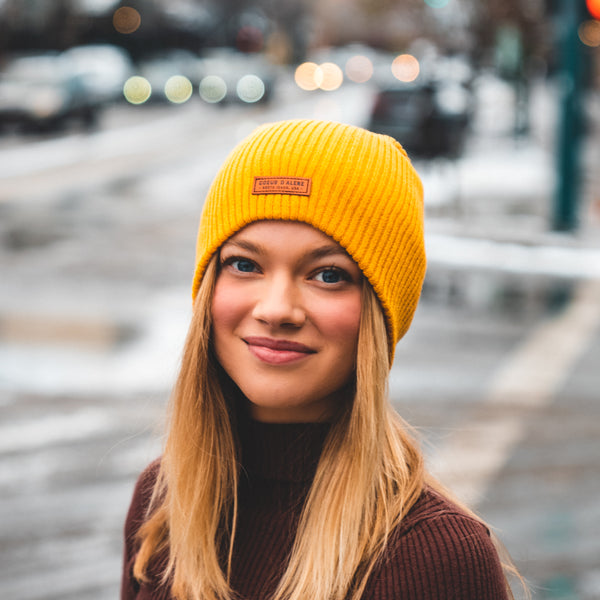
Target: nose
<point x="279" y="303"/>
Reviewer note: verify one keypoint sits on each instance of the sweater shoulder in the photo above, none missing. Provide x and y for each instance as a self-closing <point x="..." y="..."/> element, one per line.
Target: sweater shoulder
<point x="142" y="494"/>
<point x="432" y="505"/>
<point x="136" y="515"/>
<point x="439" y="552"/>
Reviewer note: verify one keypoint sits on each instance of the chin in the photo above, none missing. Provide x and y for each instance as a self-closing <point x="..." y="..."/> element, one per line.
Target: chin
<point x="295" y="409"/>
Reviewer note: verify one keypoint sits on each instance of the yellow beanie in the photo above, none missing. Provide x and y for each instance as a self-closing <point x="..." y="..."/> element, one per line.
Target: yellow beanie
<point x="356" y="186"/>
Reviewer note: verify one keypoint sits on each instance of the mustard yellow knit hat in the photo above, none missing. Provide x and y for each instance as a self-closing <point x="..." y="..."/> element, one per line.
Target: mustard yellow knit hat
<point x="356" y="186"/>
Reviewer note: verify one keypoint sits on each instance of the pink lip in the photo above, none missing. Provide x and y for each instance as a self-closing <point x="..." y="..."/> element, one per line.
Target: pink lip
<point x="277" y="352"/>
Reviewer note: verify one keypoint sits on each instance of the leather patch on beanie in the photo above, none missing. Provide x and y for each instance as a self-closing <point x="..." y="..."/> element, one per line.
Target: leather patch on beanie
<point x="295" y="186"/>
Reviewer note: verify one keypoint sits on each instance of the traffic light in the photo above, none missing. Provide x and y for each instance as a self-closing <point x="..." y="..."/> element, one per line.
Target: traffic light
<point x="593" y="7"/>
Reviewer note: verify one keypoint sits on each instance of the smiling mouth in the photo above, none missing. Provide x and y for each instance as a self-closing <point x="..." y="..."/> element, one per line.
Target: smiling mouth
<point x="277" y="352"/>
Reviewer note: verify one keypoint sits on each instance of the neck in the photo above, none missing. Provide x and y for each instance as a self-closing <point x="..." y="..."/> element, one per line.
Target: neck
<point x="281" y="451"/>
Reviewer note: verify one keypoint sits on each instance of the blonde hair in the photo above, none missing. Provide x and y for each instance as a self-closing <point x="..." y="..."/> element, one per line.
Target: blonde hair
<point x="369" y="475"/>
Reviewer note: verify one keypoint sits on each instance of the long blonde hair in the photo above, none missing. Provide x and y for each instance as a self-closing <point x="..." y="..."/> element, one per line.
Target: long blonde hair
<point x="369" y="475"/>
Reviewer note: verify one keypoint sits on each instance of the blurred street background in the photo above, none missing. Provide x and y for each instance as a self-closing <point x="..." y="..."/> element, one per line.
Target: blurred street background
<point x="114" y="117"/>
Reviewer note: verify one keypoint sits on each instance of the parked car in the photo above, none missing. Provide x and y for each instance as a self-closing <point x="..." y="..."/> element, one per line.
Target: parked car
<point x="42" y="93"/>
<point x="102" y="69"/>
<point x="429" y="119"/>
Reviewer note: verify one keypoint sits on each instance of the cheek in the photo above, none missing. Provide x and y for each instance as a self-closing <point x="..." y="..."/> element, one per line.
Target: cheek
<point x="226" y="308"/>
<point x="340" y="321"/>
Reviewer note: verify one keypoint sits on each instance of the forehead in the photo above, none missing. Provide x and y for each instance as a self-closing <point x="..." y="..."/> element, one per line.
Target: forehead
<point x="283" y="235"/>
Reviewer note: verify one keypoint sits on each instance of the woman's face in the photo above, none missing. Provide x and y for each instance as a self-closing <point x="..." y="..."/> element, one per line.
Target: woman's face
<point x="286" y="312"/>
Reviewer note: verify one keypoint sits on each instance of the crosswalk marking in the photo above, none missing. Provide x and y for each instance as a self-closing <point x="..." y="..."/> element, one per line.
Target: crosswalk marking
<point x="472" y="456"/>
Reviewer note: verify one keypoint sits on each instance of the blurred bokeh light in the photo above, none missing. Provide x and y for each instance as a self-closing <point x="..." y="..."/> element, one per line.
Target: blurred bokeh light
<point x="359" y="69"/>
<point x="589" y="33"/>
<point x="250" y="88"/>
<point x="329" y="76"/>
<point x="249" y="39"/>
<point x="127" y="19"/>
<point x="213" y="89"/>
<point x="178" y="89"/>
<point x="594" y="8"/>
<point x="326" y="76"/>
<point x="436" y="3"/>
<point x="304" y="76"/>
<point x="137" y="90"/>
<point x="405" y="67"/>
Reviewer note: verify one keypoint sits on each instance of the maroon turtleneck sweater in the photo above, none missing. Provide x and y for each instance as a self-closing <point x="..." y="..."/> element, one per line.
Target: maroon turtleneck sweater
<point x="437" y="552"/>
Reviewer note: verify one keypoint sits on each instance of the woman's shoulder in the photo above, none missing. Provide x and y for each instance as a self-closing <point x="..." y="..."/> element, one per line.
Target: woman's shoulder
<point x="440" y="551"/>
<point x="437" y="521"/>
<point x="147" y="478"/>
<point x="142" y="495"/>
<point x="433" y="506"/>
<point x="136" y="515"/>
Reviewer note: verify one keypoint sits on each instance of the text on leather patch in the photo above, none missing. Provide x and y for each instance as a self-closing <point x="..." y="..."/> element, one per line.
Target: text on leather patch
<point x="296" y="186"/>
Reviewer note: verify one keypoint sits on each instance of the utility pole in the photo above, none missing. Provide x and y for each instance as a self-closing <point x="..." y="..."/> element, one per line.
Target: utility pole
<point x="571" y="119"/>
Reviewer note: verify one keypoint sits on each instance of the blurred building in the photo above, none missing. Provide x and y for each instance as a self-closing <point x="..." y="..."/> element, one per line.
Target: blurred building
<point x="515" y="36"/>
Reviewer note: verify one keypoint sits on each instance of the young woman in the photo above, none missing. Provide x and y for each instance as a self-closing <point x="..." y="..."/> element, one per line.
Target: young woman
<point x="285" y="474"/>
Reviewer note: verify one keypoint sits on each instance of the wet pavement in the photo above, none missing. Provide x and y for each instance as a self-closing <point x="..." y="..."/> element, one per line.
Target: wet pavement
<point x="519" y="438"/>
<point x="499" y="372"/>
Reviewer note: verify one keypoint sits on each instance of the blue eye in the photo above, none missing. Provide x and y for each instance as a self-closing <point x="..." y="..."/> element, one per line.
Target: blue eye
<point x="330" y="276"/>
<point x="245" y="266"/>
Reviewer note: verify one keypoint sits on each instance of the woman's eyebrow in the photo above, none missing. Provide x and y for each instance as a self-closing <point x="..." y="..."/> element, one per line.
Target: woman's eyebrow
<point x="246" y="245"/>
<point x="328" y="250"/>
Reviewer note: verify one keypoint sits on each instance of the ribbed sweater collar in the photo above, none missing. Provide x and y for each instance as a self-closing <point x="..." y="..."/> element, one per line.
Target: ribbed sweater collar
<point x="282" y="452"/>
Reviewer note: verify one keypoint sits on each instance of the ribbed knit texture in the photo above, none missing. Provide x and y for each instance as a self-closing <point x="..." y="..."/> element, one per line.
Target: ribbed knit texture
<point x="437" y="553"/>
<point x="365" y="194"/>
